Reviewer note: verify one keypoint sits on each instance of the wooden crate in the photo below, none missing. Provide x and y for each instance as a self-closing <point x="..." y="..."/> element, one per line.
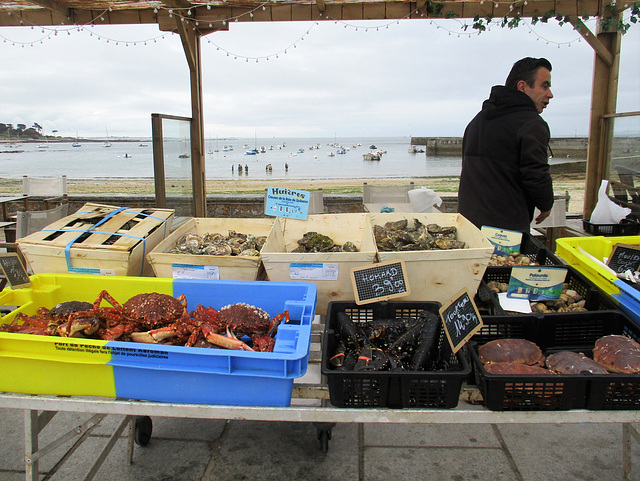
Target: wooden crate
<point x="437" y="275"/>
<point x="279" y="261"/>
<point x="238" y="268"/>
<point x="98" y="239"/>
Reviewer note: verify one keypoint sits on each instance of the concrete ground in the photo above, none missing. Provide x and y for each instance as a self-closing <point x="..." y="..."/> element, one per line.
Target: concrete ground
<point x="197" y="449"/>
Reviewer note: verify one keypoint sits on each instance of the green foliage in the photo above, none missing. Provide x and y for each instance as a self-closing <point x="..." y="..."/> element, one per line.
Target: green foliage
<point x="608" y="21"/>
<point x="11" y="132"/>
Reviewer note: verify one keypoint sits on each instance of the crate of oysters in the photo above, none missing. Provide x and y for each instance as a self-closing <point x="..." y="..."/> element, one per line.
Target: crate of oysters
<point x="443" y="253"/>
<point x="321" y="249"/>
<point x="578" y="295"/>
<point x="213" y="248"/>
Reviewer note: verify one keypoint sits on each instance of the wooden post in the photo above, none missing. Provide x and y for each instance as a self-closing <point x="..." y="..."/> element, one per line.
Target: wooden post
<point x="603" y="101"/>
<point x="191" y="45"/>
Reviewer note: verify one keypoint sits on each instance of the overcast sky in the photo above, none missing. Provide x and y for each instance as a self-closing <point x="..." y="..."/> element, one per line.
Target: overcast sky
<point x="413" y="77"/>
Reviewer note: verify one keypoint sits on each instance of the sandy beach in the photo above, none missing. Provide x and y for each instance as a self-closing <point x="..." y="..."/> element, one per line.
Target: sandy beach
<point x="573" y="183"/>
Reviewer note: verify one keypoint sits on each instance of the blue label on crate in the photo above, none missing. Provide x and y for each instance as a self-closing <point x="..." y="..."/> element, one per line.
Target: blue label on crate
<point x="536" y="283"/>
<point x="504" y="241"/>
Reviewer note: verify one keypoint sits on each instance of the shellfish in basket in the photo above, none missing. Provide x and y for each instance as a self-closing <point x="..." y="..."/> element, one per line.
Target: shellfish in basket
<point x="518" y="351"/>
<point x="568" y="362"/>
<point x="618" y="354"/>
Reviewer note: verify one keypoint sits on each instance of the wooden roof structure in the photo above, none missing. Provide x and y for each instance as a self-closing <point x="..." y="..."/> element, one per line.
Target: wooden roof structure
<point x="192" y="19"/>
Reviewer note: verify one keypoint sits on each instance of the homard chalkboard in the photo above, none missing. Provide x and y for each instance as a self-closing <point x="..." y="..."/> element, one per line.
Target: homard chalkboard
<point x="461" y="319"/>
<point x="624" y="257"/>
<point x="380" y="282"/>
<point x="14" y="271"/>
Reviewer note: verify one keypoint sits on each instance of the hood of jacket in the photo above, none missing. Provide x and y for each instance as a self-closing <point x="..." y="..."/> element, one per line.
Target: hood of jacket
<point x="504" y="101"/>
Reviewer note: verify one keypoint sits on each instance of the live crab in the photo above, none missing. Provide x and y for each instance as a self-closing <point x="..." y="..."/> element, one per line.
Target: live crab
<point x="155" y="318"/>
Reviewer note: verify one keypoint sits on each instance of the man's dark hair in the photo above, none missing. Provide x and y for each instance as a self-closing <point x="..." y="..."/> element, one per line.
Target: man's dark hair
<point x="526" y="69"/>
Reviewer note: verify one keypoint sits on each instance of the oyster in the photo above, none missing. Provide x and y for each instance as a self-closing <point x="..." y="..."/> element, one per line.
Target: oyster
<point x="217" y="244"/>
<point x="399" y="236"/>
<point x="315" y="242"/>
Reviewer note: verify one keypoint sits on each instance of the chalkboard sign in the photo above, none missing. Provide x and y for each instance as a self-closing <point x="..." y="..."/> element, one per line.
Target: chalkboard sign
<point x="461" y="319"/>
<point x="624" y="257"/>
<point x="380" y="282"/>
<point x="14" y="271"/>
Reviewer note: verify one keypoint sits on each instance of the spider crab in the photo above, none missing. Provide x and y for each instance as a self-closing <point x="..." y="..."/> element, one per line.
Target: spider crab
<point x="140" y="313"/>
<point x="238" y="320"/>
<point x="64" y="319"/>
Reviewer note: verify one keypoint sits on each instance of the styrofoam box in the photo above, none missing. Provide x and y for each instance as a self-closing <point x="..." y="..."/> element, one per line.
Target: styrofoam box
<point x="329" y="271"/>
<point x="98" y="239"/>
<point x="437" y="275"/>
<point x="36" y="364"/>
<point x="240" y="268"/>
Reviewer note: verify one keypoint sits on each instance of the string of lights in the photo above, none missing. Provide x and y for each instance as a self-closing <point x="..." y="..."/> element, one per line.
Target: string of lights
<point x="185" y="15"/>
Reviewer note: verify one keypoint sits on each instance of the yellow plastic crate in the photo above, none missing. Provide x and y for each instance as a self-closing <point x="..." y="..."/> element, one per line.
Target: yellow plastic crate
<point x="588" y="254"/>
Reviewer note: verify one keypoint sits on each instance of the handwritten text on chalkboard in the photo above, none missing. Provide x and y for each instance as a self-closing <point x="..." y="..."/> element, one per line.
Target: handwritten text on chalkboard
<point x="461" y="319"/>
<point x="14" y="271"/>
<point x="379" y="282"/>
<point x="624" y="258"/>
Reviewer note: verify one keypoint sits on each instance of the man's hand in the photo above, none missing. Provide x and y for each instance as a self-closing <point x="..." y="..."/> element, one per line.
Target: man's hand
<point x="542" y="216"/>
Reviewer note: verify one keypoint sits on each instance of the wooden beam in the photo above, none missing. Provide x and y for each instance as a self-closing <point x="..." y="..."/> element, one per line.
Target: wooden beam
<point x="604" y="54"/>
<point x="604" y="92"/>
<point x="51" y="5"/>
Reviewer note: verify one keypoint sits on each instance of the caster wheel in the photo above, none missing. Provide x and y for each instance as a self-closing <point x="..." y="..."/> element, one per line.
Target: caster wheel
<point x="142" y="429"/>
<point x="324" y="436"/>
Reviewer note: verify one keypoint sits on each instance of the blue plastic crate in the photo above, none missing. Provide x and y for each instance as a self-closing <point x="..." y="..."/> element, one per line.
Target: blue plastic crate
<point x="628" y="300"/>
<point x="158" y="372"/>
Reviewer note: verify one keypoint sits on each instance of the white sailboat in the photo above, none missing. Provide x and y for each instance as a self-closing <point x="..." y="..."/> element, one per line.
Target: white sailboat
<point x="107" y="143"/>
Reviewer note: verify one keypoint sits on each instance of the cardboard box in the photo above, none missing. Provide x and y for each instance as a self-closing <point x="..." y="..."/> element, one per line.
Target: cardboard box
<point x="98" y="239"/>
<point x="437" y="275"/>
<point x="240" y="268"/>
<point x="329" y="271"/>
<point x="37" y="364"/>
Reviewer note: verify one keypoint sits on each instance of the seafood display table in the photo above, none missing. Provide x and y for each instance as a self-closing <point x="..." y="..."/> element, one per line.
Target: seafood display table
<point x="39" y="410"/>
<point x="309" y="403"/>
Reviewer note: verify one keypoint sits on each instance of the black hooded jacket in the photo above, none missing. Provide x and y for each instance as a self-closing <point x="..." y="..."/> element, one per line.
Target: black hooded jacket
<point x="505" y="170"/>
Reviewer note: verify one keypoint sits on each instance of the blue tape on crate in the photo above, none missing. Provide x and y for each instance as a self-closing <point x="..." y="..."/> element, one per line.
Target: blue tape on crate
<point x="84" y="270"/>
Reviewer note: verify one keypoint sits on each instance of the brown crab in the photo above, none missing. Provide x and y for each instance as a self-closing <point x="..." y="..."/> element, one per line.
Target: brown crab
<point x="618" y="354"/>
<point x="514" y="368"/>
<point x="511" y="350"/>
<point x="568" y="362"/>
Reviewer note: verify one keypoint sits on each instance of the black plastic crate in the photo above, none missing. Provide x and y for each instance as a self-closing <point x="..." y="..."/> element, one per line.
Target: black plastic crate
<point x="406" y="389"/>
<point x="625" y="227"/>
<point x="595" y="300"/>
<point x="579" y="333"/>
<point x="576" y="332"/>
<point x="519" y="392"/>
<point x="534" y="250"/>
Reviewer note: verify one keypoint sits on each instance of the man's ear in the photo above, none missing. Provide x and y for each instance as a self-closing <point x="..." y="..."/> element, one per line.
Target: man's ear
<point x="521" y="85"/>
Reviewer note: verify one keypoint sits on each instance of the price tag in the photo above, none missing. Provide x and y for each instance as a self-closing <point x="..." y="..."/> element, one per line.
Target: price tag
<point x="624" y="257"/>
<point x="504" y="241"/>
<point x="313" y="271"/>
<point x="379" y="282"/>
<point x="281" y="202"/>
<point x="190" y="271"/>
<point x="461" y="319"/>
<point x="14" y="271"/>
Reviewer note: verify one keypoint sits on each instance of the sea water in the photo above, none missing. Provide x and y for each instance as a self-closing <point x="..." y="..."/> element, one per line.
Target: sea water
<point x="306" y="158"/>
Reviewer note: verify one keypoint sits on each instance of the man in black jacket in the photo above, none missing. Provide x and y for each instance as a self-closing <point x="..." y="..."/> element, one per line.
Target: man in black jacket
<point x="505" y="170"/>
